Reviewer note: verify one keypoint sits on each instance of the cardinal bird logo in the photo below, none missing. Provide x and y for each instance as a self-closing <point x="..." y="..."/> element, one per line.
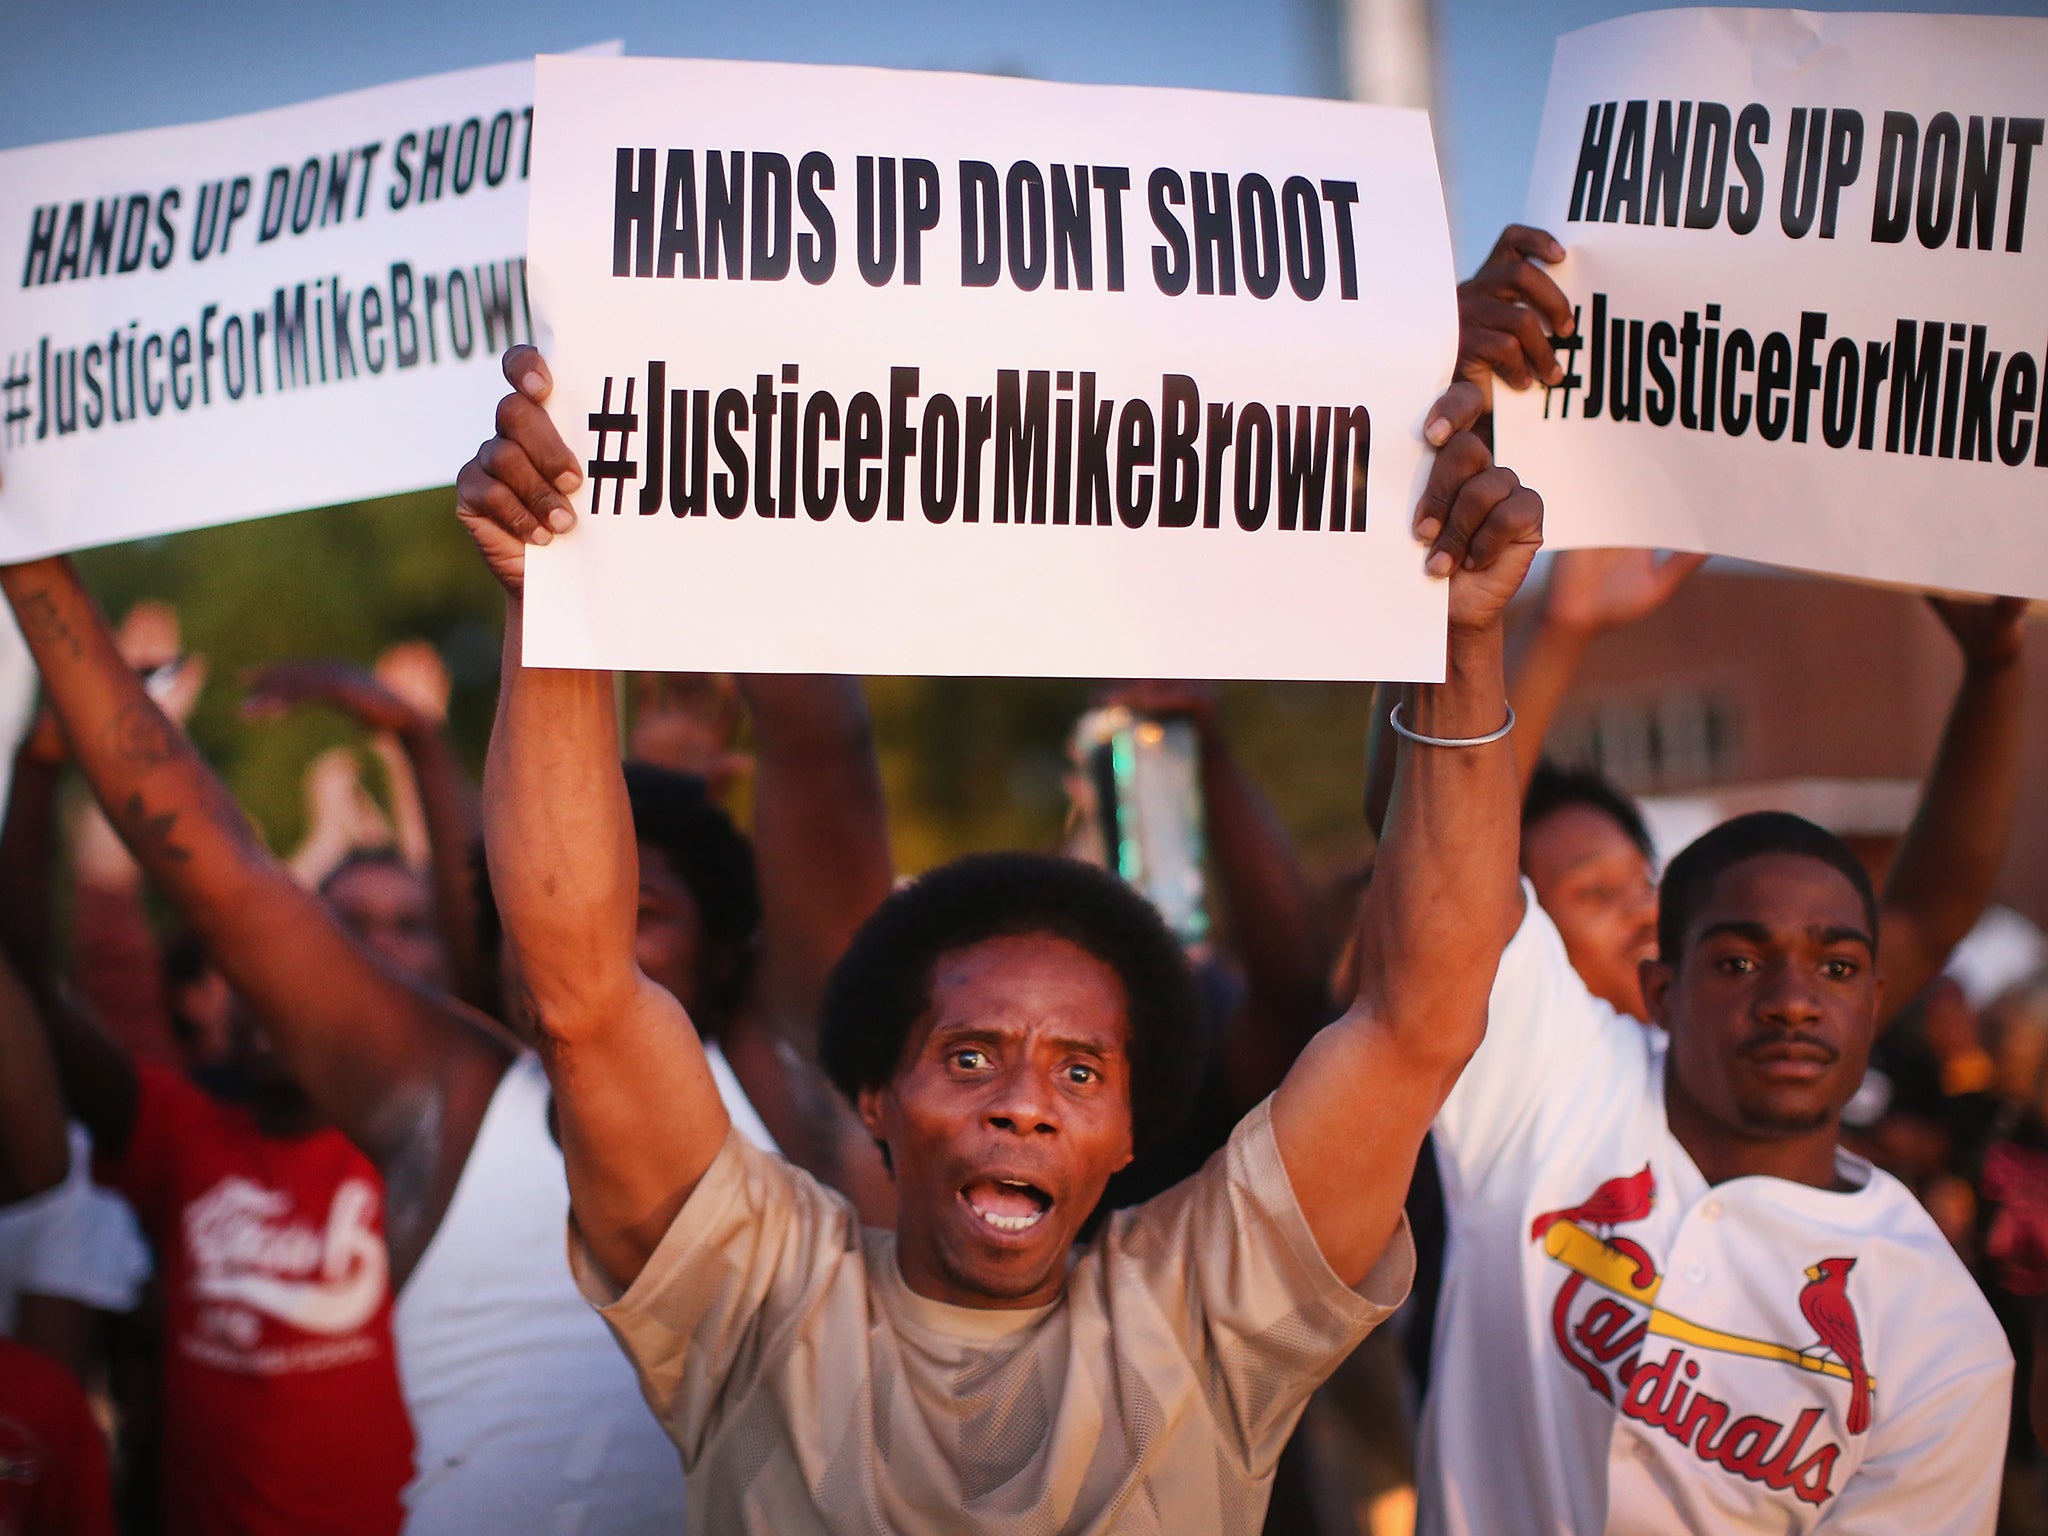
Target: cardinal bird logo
<point x="1614" y="1202"/>
<point x="1825" y="1301"/>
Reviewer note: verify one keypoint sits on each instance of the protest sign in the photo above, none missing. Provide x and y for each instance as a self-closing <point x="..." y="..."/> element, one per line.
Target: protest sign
<point x="1812" y="305"/>
<point x="289" y="309"/>
<point x="919" y="373"/>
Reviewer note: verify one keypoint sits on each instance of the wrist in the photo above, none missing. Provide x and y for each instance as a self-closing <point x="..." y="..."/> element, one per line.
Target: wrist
<point x="1472" y="700"/>
<point x="1983" y="667"/>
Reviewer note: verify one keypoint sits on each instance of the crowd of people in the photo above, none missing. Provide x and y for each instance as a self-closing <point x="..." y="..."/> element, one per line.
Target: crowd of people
<point x="550" y="1154"/>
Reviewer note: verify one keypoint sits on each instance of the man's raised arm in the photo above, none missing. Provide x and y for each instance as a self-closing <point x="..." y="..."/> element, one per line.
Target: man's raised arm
<point x="1941" y="880"/>
<point x="1444" y="899"/>
<point x="639" y="1112"/>
<point x="403" y="1073"/>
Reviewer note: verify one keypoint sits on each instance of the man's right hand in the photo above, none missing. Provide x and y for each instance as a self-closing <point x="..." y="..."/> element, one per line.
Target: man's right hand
<point x="513" y="493"/>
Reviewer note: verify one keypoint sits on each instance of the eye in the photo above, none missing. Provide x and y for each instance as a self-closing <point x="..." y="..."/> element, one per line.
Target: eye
<point x="1735" y="965"/>
<point x="1082" y="1075"/>
<point x="970" y="1058"/>
<point x="1839" y="968"/>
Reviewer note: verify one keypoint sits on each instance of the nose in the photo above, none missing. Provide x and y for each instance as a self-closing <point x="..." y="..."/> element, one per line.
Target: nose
<point x="1023" y="1104"/>
<point x="1788" y="995"/>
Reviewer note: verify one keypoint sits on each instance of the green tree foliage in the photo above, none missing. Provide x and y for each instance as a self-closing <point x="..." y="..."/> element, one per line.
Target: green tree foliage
<point x="970" y="763"/>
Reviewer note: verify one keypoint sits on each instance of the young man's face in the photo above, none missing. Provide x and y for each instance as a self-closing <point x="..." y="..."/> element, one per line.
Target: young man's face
<point x="1773" y="1005"/>
<point x="1006" y="1117"/>
<point x="1602" y="893"/>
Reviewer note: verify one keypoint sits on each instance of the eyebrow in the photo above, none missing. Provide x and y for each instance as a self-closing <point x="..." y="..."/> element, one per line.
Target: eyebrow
<point x="1082" y="1047"/>
<point x="1759" y="933"/>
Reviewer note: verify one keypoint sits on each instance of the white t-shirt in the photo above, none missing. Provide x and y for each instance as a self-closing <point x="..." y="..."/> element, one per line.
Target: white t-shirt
<point x="1623" y="1348"/>
<point x="812" y="1393"/>
<point x="76" y="1241"/>
<point x="527" y="1417"/>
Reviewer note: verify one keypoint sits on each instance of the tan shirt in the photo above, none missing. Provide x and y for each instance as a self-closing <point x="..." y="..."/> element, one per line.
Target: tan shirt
<point x="811" y="1392"/>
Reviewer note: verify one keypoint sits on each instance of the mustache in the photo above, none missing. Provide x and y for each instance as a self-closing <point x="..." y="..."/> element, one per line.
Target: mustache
<point x="1777" y="1039"/>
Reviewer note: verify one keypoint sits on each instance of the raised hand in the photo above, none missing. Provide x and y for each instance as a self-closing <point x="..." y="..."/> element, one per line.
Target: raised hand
<point x="1482" y="525"/>
<point x="1508" y="311"/>
<point x="281" y="686"/>
<point x="687" y="721"/>
<point x="414" y="671"/>
<point x="1989" y="630"/>
<point x="512" y="493"/>
<point x="151" y="642"/>
<point x="1591" y="591"/>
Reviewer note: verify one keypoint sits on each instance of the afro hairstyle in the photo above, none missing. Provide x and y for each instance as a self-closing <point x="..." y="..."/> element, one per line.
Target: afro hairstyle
<point x="1691" y="876"/>
<point x="881" y="987"/>
<point x="1553" y="789"/>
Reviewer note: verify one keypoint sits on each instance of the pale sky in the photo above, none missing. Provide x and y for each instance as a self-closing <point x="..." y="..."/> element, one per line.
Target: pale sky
<point x="97" y="66"/>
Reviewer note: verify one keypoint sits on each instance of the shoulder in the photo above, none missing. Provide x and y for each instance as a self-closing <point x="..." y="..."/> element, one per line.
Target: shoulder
<point x="1919" y="1278"/>
<point x="1238" y="1219"/>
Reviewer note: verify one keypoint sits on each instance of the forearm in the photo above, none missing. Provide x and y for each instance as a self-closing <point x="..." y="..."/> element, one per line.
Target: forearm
<point x="343" y="1029"/>
<point x="174" y="815"/>
<point x="558" y="832"/>
<point x="454" y="822"/>
<point x="1949" y="860"/>
<point x="1274" y="930"/>
<point x="1440" y="909"/>
<point x="34" y="1150"/>
<point x="821" y="837"/>
<point x="1444" y="897"/>
<point x="1543" y="661"/>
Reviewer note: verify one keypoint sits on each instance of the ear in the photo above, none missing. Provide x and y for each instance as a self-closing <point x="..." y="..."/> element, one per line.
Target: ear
<point x="869" y="1105"/>
<point x="1656" y="979"/>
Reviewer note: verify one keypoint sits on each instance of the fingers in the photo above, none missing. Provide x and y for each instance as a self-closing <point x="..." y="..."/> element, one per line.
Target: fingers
<point x="1457" y="409"/>
<point x="1520" y="240"/>
<point x="1456" y="462"/>
<point x="1475" y="500"/>
<point x="523" y="423"/>
<point x="1526" y="283"/>
<point x="1511" y="308"/>
<point x="1517" y="518"/>
<point x="502" y="486"/>
<point x="527" y="371"/>
<point x="1510" y="339"/>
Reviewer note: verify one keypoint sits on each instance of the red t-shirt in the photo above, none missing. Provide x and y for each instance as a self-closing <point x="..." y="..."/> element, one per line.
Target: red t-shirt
<point x="281" y="1402"/>
<point x="53" y="1464"/>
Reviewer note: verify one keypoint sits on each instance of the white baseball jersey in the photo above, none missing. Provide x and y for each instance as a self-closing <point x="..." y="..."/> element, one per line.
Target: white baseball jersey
<point x="1623" y="1348"/>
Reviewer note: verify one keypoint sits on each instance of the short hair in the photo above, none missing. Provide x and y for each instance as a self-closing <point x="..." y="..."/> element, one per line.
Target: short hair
<point x="675" y="813"/>
<point x="1553" y="789"/>
<point x="1692" y="874"/>
<point x="881" y="986"/>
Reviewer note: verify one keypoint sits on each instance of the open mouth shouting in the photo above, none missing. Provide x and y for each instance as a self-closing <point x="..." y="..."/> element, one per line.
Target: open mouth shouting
<point x="1006" y="1206"/>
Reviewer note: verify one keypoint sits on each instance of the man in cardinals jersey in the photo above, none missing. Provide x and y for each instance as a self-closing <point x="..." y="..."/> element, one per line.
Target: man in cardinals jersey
<point x="1673" y="1301"/>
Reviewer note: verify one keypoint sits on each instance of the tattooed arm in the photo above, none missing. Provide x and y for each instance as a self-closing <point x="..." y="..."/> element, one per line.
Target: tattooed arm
<point x="404" y="1072"/>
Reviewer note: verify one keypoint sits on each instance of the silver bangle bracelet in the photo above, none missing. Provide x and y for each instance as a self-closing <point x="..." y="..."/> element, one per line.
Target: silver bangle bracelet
<point x="1394" y="720"/>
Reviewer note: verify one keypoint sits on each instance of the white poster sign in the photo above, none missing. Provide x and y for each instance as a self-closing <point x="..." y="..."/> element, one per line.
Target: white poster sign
<point x="918" y="373"/>
<point x="289" y="309"/>
<point x="1811" y="294"/>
